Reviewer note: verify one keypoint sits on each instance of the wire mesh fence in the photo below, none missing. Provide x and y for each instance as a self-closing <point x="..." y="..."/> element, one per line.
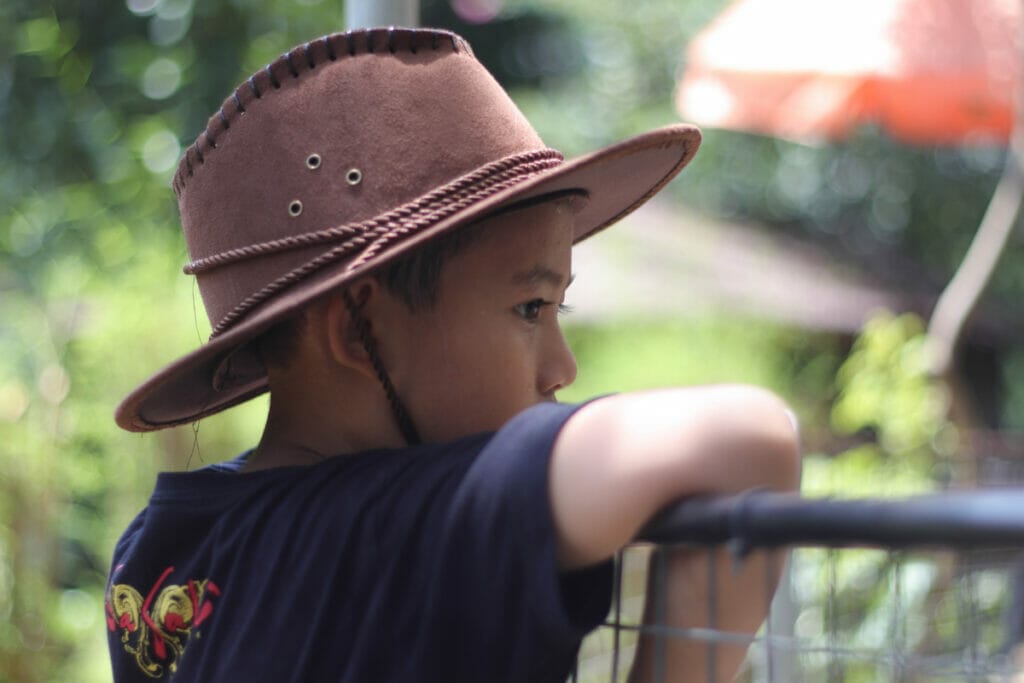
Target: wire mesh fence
<point x="927" y="588"/>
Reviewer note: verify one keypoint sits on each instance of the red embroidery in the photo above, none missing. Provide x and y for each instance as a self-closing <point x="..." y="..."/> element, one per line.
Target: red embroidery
<point x="155" y="630"/>
<point x="126" y="622"/>
<point x="173" y="622"/>
<point x="201" y="611"/>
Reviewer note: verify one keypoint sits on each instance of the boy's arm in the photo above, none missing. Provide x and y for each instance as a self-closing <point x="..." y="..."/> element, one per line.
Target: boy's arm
<point x="621" y="459"/>
<point x="740" y="594"/>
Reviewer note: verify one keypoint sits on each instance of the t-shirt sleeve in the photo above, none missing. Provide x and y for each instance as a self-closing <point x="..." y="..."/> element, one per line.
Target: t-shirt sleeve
<point x="502" y="550"/>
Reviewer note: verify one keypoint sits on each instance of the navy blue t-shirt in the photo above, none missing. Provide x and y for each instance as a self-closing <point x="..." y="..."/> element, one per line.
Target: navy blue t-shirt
<point x="432" y="563"/>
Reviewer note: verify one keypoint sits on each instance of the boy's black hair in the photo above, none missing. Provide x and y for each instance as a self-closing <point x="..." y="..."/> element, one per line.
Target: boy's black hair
<point x="415" y="277"/>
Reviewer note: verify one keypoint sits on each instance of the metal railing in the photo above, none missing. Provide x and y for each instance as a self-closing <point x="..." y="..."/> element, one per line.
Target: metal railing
<point x="923" y="588"/>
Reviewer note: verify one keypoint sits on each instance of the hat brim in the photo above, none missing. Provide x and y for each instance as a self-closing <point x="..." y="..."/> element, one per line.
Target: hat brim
<point x="226" y="372"/>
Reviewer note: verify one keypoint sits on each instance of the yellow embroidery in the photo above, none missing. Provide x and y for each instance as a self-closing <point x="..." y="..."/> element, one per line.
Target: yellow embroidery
<point x="155" y="630"/>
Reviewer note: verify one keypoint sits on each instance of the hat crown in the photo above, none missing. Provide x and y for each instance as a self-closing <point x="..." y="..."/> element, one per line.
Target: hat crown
<point x="336" y="132"/>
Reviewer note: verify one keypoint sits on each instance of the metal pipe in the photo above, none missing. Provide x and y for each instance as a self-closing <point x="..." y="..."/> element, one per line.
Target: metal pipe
<point x="373" y="13"/>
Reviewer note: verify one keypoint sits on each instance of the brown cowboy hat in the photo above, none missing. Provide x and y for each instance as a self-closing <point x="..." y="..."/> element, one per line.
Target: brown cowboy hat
<point x="337" y="157"/>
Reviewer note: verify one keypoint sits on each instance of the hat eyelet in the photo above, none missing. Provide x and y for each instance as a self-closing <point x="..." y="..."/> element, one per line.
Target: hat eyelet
<point x="295" y="208"/>
<point x="354" y="176"/>
<point x="313" y="161"/>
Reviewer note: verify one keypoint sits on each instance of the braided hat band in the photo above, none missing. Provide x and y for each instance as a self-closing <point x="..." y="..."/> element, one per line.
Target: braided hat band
<point x="338" y="157"/>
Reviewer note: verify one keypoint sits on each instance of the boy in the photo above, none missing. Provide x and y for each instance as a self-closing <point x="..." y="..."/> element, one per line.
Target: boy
<point x="383" y="242"/>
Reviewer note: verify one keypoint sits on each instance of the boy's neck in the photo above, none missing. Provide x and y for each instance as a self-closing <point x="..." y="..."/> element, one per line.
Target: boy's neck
<point x="307" y="423"/>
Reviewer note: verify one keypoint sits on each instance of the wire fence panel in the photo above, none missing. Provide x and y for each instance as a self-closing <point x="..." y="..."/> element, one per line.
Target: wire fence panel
<point x="927" y="588"/>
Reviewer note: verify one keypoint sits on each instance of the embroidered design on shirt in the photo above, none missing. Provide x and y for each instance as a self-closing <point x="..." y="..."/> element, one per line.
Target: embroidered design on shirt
<point x="155" y="630"/>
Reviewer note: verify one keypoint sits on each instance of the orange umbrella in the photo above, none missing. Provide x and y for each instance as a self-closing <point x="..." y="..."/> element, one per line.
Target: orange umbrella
<point x="928" y="71"/>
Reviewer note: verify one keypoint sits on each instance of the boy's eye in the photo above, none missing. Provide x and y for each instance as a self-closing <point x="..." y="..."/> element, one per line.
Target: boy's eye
<point x="530" y="310"/>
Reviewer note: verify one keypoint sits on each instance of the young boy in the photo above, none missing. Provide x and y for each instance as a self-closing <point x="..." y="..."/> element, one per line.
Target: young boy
<point x="383" y="242"/>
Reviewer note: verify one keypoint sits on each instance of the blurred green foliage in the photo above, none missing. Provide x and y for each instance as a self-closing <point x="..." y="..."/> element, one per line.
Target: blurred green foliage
<point x="628" y="355"/>
<point x="97" y="100"/>
<point x="885" y="386"/>
<point x="886" y="395"/>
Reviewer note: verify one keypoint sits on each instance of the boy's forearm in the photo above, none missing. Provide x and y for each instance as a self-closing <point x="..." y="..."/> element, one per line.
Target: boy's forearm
<point x="693" y="591"/>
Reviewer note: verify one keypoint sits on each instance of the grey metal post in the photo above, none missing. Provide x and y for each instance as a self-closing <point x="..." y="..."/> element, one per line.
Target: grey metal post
<point x="370" y="13"/>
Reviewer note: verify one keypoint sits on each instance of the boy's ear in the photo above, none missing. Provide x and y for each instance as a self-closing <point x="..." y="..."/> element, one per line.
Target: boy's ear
<point x="345" y="332"/>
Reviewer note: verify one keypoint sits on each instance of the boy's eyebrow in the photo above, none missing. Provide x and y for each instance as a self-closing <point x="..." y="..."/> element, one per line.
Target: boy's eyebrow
<point x="539" y="274"/>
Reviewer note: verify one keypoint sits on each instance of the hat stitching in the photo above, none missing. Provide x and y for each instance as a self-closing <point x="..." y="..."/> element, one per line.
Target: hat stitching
<point x="291" y="66"/>
<point x="458" y="189"/>
<point x="522" y="167"/>
<point x="185" y="167"/>
<point x="255" y="88"/>
<point x="273" y="79"/>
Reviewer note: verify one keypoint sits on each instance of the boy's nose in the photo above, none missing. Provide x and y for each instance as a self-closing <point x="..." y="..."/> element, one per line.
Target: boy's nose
<point x="558" y="367"/>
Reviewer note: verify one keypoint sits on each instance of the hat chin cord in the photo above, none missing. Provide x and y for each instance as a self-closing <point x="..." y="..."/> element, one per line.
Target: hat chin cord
<point x="405" y="423"/>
